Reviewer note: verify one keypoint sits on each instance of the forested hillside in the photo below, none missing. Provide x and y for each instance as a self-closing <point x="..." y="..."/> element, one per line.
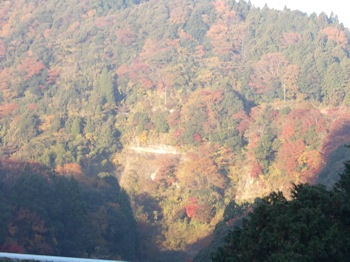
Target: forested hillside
<point x="42" y="212"/>
<point x="312" y="226"/>
<point x="191" y="104"/>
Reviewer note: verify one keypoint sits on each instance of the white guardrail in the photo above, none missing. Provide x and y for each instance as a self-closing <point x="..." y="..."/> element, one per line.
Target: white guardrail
<point x="41" y="258"/>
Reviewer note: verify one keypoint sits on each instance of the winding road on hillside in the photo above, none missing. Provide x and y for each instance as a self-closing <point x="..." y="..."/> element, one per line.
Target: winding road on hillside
<point x="156" y="149"/>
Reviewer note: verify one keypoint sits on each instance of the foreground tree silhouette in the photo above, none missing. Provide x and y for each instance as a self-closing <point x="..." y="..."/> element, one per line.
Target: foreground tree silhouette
<point x="313" y="226"/>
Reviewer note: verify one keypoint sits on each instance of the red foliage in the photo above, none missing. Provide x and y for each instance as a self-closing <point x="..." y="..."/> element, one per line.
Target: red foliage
<point x="52" y="76"/>
<point x="289" y="153"/>
<point x="167" y="165"/>
<point x="245" y="121"/>
<point x="197" y="137"/>
<point x="177" y="133"/>
<point x="243" y="125"/>
<point x="32" y="106"/>
<point x="303" y="119"/>
<point x="256" y="170"/>
<point x="146" y="83"/>
<point x="16" y="167"/>
<point x="5" y="77"/>
<point x="138" y="69"/>
<point x="12" y="248"/>
<point x="31" y="66"/>
<point x="191" y="207"/>
<point x="47" y="33"/>
<point x="104" y="21"/>
<point x="212" y="96"/>
<point x="253" y="141"/>
<point x="185" y="35"/>
<point x="174" y="118"/>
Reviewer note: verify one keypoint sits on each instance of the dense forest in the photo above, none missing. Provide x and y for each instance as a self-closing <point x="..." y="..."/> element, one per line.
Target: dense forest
<point x="313" y="226"/>
<point x="190" y="104"/>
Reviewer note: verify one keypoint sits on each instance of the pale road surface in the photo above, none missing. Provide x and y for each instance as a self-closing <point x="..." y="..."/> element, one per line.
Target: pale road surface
<point x="155" y="149"/>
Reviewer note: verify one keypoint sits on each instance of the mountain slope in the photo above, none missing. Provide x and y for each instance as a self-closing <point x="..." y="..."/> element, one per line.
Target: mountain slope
<point x="251" y="99"/>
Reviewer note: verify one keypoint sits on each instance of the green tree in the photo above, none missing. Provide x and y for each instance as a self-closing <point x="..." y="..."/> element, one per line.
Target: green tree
<point x="313" y="226"/>
<point x="104" y="87"/>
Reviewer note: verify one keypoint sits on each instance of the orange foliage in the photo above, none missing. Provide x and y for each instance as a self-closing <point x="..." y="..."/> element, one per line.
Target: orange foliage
<point x="200" y="52"/>
<point x="202" y="171"/>
<point x="125" y="36"/>
<point x="105" y="21"/>
<point x="2" y="49"/>
<point x="122" y="70"/>
<point x="271" y="67"/>
<point x="288" y="131"/>
<point x="291" y="38"/>
<point x="146" y="83"/>
<point x="167" y="165"/>
<point x="138" y="69"/>
<point x="220" y="6"/>
<point x="47" y="33"/>
<point x="290" y="79"/>
<point x="289" y="154"/>
<point x="28" y="221"/>
<point x="312" y="163"/>
<point x="302" y="120"/>
<point x="220" y="41"/>
<point x="222" y="9"/>
<point x="256" y="170"/>
<point x="7" y="109"/>
<point x="200" y="212"/>
<point x="4" y="78"/>
<point x="16" y="167"/>
<point x="70" y="169"/>
<point x="5" y="32"/>
<point x="178" y="13"/>
<point x="73" y="27"/>
<point x="185" y="35"/>
<point x="336" y="35"/>
<point x="32" y="106"/>
<point x="8" y="77"/>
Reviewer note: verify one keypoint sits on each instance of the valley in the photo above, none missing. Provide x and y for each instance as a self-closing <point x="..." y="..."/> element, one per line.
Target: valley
<point x="159" y="114"/>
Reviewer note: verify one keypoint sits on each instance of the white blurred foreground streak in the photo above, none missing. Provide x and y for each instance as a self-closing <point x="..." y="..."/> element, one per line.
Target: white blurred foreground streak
<point x="19" y="257"/>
